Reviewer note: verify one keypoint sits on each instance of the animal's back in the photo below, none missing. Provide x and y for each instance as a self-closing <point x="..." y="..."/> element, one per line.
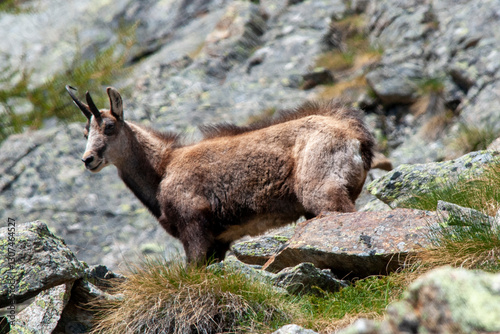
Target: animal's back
<point x="274" y="174"/>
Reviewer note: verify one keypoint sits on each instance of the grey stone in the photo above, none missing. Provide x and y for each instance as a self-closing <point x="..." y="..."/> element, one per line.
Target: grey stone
<point x="453" y="213"/>
<point x="449" y="47"/>
<point x="396" y="84"/>
<point x="293" y="329"/>
<point x="77" y="317"/>
<point x="445" y="300"/>
<point x="399" y="187"/>
<point x="43" y="314"/>
<point x="251" y="271"/>
<point x="257" y="250"/>
<point x="305" y="278"/>
<point x="33" y="261"/>
<point x="480" y="109"/>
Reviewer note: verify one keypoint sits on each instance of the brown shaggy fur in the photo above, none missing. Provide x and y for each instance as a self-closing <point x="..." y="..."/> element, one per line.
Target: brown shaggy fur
<point x="237" y="180"/>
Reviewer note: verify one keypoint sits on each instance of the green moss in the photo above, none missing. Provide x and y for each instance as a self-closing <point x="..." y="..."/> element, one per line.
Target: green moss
<point x="40" y="302"/>
<point x="281" y="238"/>
<point x="13" y="6"/>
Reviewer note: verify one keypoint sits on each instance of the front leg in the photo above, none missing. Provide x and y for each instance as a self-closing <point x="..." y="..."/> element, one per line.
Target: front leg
<point x="196" y="234"/>
<point x="200" y="243"/>
<point x="197" y="240"/>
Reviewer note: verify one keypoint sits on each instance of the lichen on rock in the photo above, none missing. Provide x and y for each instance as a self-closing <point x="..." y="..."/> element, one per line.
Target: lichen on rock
<point x="401" y="186"/>
<point x="37" y="260"/>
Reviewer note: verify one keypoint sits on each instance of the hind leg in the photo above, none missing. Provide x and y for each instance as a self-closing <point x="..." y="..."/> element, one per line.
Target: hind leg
<point x="327" y="197"/>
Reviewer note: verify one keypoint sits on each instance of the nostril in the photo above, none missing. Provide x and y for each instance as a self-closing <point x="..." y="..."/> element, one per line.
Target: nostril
<point x="88" y="159"/>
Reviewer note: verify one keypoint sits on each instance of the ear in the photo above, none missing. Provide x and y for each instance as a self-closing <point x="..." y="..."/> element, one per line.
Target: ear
<point x="115" y="101"/>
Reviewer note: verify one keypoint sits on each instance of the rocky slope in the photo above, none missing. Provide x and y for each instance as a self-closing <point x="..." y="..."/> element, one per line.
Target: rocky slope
<point x="197" y="62"/>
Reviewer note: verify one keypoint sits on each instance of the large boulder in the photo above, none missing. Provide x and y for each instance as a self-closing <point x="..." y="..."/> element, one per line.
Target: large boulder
<point x="356" y="244"/>
<point x="32" y="260"/>
<point x="401" y="186"/>
<point x="445" y="300"/>
<point x="79" y="30"/>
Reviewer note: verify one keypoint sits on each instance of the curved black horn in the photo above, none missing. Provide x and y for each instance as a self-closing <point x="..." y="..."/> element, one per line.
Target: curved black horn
<point x="83" y="107"/>
<point x="93" y="108"/>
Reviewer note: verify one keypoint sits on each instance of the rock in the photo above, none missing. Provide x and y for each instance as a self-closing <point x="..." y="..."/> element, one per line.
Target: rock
<point x="305" y="278"/>
<point x="453" y="212"/>
<point x="249" y="270"/>
<point x="237" y="32"/>
<point x="43" y="314"/>
<point x="366" y="201"/>
<point x="495" y="145"/>
<point x="100" y="275"/>
<point x="356" y="244"/>
<point x="319" y="76"/>
<point x="445" y="300"/>
<point x="445" y="47"/>
<point x="94" y="26"/>
<point x="77" y="317"/>
<point x="35" y="261"/>
<point x="396" y="84"/>
<point x="257" y="250"/>
<point x="399" y="187"/>
<point x="293" y="329"/>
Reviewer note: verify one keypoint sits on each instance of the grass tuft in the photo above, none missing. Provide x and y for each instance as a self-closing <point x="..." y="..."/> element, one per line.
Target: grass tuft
<point x="472" y="138"/>
<point x="480" y="193"/>
<point x="161" y="297"/>
<point x="465" y="240"/>
<point x="367" y="298"/>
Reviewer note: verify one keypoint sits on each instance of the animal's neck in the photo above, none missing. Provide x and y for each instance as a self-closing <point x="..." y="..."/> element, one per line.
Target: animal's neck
<point x="143" y="165"/>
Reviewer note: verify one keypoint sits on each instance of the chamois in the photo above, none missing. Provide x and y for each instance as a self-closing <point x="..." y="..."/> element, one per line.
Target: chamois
<point x="237" y="180"/>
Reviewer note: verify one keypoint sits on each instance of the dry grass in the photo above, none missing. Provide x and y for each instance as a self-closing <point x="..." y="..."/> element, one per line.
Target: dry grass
<point x="172" y="298"/>
<point x="471" y="138"/>
<point x="467" y="254"/>
<point x="348" y="90"/>
<point x="349" y="62"/>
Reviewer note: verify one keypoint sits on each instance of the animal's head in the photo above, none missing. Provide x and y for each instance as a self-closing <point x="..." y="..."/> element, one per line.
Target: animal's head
<point x="103" y="131"/>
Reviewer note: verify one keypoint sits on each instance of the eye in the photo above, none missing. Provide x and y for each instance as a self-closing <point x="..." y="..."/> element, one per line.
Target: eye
<point x="109" y="128"/>
<point x="86" y="133"/>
